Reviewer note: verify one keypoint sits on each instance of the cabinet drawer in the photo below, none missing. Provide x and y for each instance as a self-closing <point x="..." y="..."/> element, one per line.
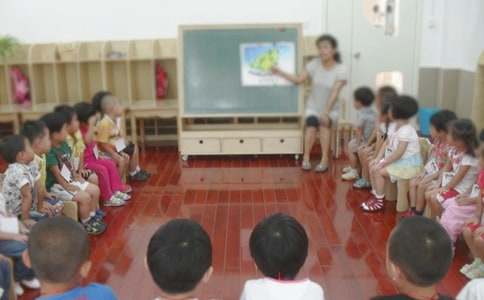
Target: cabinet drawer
<point x="200" y="146"/>
<point x="241" y="146"/>
<point x="281" y="145"/>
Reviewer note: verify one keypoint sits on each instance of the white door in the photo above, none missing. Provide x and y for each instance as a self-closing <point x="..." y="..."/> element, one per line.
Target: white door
<point x="385" y="44"/>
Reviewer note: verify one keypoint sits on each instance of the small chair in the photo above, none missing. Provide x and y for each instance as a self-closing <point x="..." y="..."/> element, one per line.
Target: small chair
<point x="70" y="210"/>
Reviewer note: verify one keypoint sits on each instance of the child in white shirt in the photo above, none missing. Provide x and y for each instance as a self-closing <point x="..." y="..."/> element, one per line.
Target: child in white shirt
<point x="279" y="247"/>
<point x="402" y="159"/>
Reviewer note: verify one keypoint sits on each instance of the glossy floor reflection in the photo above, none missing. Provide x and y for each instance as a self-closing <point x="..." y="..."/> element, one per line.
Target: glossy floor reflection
<point x="228" y="196"/>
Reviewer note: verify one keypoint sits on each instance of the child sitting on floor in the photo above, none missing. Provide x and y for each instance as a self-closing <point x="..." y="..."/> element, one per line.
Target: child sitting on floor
<point x="474" y="229"/>
<point x="368" y="153"/>
<point x="279" y="247"/>
<point x="61" y="273"/>
<point x="460" y="172"/>
<point x="419" y="254"/>
<point x="438" y="158"/>
<point x="402" y="158"/>
<point x="18" y="182"/>
<point x="365" y="122"/>
<point x="113" y="191"/>
<point x="64" y="183"/>
<point x="179" y="258"/>
<point x="110" y="139"/>
<point x="38" y="135"/>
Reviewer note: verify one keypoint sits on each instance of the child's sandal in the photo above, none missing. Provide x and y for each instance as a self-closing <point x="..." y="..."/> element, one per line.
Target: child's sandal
<point x="373" y="205"/>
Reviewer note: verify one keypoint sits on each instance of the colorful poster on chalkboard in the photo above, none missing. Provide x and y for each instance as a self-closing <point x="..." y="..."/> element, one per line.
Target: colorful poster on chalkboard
<point x="257" y="60"/>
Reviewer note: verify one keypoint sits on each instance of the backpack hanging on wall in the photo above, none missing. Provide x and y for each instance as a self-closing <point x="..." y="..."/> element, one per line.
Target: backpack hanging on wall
<point x="20" y="87"/>
<point x="161" y="82"/>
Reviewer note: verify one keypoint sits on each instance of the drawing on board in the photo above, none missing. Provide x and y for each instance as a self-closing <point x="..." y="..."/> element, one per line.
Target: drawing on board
<point x="257" y="60"/>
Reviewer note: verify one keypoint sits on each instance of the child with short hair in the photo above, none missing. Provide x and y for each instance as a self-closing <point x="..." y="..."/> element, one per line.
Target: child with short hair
<point x="438" y="158"/>
<point x="365" y="122"/>
<point x="38" y="135"/>
<point x="59" y="274"/>
<point x="474" y="228"/>
<point x="179" y="258"/>
<point x="110" y="140"/>
<point x="64" y="183"/>
<point x="18" y="182"/>
<point x="279" y="247"/>
<point x="419" y="254"/>
<point x="369" y="152"/>
<point x="461" y="171"/>
<point x="402" y="159"/>
<point x="113" y="191"/>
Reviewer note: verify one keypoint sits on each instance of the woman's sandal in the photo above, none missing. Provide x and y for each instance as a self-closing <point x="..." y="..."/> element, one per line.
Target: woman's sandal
<point x="373" y="205"/>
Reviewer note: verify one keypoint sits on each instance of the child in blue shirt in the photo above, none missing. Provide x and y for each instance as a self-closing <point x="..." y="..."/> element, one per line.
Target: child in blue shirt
<point x="59" y="274"/>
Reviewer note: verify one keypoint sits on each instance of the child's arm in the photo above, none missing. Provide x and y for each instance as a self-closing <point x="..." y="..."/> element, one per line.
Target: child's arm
<point x="13" y="236"/>
<point x="458" y="177"/>
<point x="396" y="155"/>
<point x="381" y="151"/>
<point x="358" y="133"/>
<point x="26" y="192"/>
<point x="60" y="180"/>
<point x="373" y="137"/>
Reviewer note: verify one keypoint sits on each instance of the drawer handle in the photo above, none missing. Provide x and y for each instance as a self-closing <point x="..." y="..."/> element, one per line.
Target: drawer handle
<point x="282" y="141"/>
<point x="200" y="141"/>
<point x="241" y="141"/>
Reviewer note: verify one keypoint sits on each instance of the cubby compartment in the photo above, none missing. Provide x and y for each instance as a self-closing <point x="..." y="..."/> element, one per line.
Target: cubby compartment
<point x="43" y="84"/>
<point x="91" y="51"/>
<point x="170" y="67"/>
<point x="142" y="50"/>
<point x="142" y="80"/>
<point x="4" y="86"/>
<point x="117" y="80"/>
<point x="91" y="79"/>
<point x="68" y="82"/>
<point x="166" y="49"/>
<point x="116" y="50"/>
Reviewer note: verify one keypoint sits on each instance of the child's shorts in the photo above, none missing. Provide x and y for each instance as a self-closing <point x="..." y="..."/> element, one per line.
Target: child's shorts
<point x="64" y="195"/>
<point x="407" y="168"/>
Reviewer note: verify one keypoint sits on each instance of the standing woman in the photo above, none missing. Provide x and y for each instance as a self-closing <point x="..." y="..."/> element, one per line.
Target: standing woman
<point x="328" y="77"/>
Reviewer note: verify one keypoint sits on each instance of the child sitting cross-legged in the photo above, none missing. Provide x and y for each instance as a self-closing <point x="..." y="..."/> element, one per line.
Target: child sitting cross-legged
<point x="110" y="140"/>
<point x="461" y="171"/>
<point x="64" y="183"/>
<point x="179" y="258"/>
<point x="365" y="123"/>
<point x="419" y="254"/>
<point x="438" y="157"/>
<point x="279" y="247"/>
<point x="38" y="135"/>
<point x="402" y="159"/>
<point x="58" y="252"/>
<point x="113" y="191"/>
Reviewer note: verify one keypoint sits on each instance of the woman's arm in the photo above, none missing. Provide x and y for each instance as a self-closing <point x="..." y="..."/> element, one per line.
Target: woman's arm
<point x="337" y="87"/>
<point x="296" y="79"/>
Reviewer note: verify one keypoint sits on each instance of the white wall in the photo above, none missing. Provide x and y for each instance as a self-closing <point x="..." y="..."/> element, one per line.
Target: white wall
<point x="452" y="33"/>
<point x="63" y="20"/>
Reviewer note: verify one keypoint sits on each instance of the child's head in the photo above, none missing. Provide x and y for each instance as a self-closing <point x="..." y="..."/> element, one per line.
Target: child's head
<point x="72" y="122"/>
<point x="16" y="148"/>
<point x="384" y="92"/>
<point x="38" y="135"/>
<point x="68" y="240"/>
<point x="419" y="253"/>
<point x="403" y="108"/>
<point x="56" y="123"/>
<point x="439" y="123"/>
<point x="363" y="97"/>
<point x="106" y="103"/>
<point x="85" y="111"/>
<point x="463" y="136"/>
<point x="279" y="246"/>
<point x="385" y="109"/>
<point x="179" y="257"/>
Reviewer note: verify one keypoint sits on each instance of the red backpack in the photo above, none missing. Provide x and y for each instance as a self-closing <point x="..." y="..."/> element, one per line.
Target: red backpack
<point x="161" y="82"/>
<point x="20" y="87"/>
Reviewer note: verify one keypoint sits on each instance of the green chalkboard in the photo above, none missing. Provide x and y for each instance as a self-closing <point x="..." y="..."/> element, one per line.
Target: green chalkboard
<point x="212" y="73"/>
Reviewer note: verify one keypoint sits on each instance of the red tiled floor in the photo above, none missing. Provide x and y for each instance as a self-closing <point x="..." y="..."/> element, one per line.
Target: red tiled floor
<point x="228" y="196"/>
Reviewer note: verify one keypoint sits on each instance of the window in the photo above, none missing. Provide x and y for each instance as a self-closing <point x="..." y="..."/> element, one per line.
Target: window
<point x="383" y="14"/>
<point x="394" y="79"/>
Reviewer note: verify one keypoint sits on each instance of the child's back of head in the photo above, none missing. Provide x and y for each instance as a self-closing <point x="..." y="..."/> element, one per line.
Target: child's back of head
<point x="16" y="148"/>
<point x="84" y="111"/>
<point x="58" y="247"/>
<point x="38" y="135"/>
<point x="403" y="108"/>
<point x="279" y="246"/>
<point x="364" y="96"/>
<point x="179" y="257"/>
<point x="419" y="253"/>
<point x="441" y="120"/>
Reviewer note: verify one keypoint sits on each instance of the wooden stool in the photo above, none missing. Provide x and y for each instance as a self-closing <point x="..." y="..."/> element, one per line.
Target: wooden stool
<point x="70" y="210"/>
<point x="403" y="187"/>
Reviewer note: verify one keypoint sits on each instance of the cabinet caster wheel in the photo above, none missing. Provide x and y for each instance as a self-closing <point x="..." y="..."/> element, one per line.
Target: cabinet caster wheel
<point x="184" y="157"/>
